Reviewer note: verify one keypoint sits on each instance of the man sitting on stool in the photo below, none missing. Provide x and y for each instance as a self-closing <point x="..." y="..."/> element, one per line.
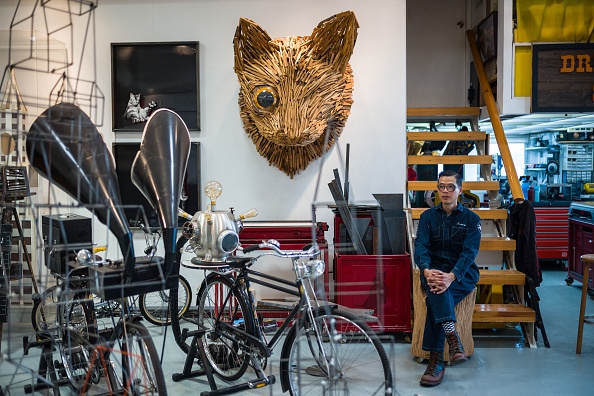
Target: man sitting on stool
<point x="447" y="242"/>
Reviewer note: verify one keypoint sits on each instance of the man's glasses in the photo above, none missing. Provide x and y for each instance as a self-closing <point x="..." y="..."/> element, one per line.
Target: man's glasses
<point x="448" y="187"/>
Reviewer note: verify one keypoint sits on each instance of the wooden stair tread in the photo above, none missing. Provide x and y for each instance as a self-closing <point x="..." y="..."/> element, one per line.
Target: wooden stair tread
<point x="440" y="113"/>
<point x="443" y="136"/>
<point x="501" y="313"/>
<point x="449" y="159"/>
<point x="467" y="185"/>
<point x="483" y="213"/>
<point x="501" y="277"/>
<point x="497" y="243"/>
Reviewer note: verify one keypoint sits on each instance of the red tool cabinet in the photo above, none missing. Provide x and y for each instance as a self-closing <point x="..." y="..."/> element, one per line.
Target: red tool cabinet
<point x="581" y="236"/>
<point x="381" y="283"/>
<point x="581" y="233"/>
<point x="552" y="228"/>
<point x="378" y="282"/>
<point x="292" y="235"/>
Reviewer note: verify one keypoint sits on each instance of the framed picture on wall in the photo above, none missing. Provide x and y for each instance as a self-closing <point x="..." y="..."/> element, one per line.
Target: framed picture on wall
<point x="487" y="37"/>
<point x="190" y="201"/>
<point x="148" y="76"/>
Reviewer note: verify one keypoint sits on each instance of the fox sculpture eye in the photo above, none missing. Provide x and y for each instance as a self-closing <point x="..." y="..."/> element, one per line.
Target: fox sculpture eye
<point x="293" y="89"/>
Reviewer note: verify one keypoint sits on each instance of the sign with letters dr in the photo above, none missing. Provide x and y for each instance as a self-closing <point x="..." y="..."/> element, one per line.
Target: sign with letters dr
<point x="563" y="77"/>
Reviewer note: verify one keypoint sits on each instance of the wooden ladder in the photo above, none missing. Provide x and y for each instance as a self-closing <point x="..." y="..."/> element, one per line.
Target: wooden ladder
<point x="494" y="240"/>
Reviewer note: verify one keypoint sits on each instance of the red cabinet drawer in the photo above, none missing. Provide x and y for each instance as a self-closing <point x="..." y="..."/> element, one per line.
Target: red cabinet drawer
<point x="551" y="243"/>
<point x="552" y="224"/>
<point x="587" y="243"/>
<point x="284" y="232"/>
<point x="552" y="228"/>
<point x="381" y="283"/>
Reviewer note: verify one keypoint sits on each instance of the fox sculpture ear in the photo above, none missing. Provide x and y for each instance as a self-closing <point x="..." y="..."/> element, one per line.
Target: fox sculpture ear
<point x="334" y="38"/>
<point x="249" y="43"/>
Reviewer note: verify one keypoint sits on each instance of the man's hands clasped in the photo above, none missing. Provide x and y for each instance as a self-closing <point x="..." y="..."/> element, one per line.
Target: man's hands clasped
<point x="438" y="281"/>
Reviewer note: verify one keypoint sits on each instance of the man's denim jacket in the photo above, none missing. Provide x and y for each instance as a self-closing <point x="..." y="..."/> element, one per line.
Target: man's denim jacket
<point x="449" y="243"/>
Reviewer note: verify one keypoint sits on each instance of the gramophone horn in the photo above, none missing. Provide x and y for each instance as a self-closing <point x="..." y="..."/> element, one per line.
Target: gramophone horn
<point x="160" y="164"/>
<point x="159" y="167"/>
<point x="64" y="146"/>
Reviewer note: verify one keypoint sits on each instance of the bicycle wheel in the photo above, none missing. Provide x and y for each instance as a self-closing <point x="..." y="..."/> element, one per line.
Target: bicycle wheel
<point x="141" y="367"/>
<point x="345" y="358"/>
<point x="75" y="353"/>
<point x="154" y="306"/>
<point x="223" y="349"/>
<point x="59" y="307"/>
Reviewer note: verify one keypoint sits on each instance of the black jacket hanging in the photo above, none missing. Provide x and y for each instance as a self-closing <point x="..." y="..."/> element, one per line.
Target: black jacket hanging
<point x="523" y="230"/>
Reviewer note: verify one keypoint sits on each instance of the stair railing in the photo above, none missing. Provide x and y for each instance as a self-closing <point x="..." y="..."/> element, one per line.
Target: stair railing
<point x="508" y="162"/>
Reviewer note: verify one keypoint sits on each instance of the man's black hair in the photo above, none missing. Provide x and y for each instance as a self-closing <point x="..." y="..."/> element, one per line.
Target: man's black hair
<point x="448" y="173"/>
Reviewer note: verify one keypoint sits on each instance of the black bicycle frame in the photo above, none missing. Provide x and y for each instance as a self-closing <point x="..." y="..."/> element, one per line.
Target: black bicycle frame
<point x="248" y="276"/>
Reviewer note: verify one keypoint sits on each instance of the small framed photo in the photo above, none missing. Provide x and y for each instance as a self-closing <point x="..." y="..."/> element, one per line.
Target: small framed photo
<point x="487" y="37"/>
<point x="148" y="76"/>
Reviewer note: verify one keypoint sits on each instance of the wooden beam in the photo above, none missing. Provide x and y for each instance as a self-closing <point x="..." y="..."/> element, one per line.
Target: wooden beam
<point x="460" y="112"/>
<point x="497" y="243"/>
<point x="502" y="313"/>
<point x="484" y="213"/>
<point x="443" y="136"/>
<point x="449" y="159"/>
<point x="502" y="277"/>
<point x="506" y="156"/>
<point x="467" y="185"/>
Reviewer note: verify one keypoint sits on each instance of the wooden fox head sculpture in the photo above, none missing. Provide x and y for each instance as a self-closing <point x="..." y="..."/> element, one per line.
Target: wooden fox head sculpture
<point x="295" y="88"/>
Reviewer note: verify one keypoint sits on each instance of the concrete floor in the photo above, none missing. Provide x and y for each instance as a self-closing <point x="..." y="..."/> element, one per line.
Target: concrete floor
<point x="501" y="363"/>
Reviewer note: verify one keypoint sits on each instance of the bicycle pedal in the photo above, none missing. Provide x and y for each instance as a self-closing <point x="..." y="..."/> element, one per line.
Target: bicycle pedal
<point x="269" y="326"/>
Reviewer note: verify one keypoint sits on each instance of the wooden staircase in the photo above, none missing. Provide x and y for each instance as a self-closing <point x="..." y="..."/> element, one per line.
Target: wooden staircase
<point x="494" y="242"/>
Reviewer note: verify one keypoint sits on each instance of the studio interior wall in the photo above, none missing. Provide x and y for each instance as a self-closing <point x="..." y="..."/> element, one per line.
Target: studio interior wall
<point x="375" y="129"/>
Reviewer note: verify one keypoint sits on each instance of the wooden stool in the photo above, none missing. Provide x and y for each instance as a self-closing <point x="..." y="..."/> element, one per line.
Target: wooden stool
<point x="464" y="310"/>
<point x="587" y="261"/>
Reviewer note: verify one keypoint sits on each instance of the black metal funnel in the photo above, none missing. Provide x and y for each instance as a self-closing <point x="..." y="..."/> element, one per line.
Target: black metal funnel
<point x="159" y="167"/>
<point x="64" y="146"/>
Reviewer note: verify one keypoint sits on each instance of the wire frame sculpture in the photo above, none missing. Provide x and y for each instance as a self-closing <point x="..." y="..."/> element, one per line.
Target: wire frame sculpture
<point x="13" y="115"/>
<point x="35" y="26"/>
<point x="294" y="89"/>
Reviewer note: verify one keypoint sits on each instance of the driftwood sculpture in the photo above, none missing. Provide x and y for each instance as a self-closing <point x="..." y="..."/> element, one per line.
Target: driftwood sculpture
<point x="293" y="89"/>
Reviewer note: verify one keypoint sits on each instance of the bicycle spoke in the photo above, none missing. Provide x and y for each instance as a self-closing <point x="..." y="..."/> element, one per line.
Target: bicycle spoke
<point x="345" y="357"/>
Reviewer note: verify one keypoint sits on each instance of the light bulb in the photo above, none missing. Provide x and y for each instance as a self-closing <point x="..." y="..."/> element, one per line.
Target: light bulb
<point x="250" y="213"/>
<point x="213" y="190"/>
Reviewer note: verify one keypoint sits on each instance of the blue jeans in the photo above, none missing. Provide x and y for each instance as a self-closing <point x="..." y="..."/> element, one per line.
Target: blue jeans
<point x="440" y="309"/>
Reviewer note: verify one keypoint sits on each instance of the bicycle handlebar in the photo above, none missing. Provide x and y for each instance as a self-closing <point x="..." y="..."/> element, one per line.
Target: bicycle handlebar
<point x="145" y="229"/>
<point x="308" y="250"/>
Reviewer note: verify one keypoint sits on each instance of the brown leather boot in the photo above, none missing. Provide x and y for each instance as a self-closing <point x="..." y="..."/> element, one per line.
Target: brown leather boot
<point x="435" y="370"/>
<point x="457" y="354"/>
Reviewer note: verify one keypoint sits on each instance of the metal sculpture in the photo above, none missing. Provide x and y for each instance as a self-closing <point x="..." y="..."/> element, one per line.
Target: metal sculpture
<point x="64" y="146"/>
<point x="294" y="89"/>
<point x="158" y="172"/>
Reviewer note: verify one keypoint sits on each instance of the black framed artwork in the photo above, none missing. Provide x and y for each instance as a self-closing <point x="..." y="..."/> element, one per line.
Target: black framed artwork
<point x="487" y="37"/>
<point x="148" y="76"/>
<point x="133" y="199"/>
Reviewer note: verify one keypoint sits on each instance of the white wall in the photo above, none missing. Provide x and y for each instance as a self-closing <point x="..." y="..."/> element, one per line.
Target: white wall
<point x="436" y="53"/>
<point x="375" y="128"/>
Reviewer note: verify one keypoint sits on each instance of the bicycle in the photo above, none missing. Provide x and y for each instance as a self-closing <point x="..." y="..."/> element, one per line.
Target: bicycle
<point x="153" y="306"/>
<point x="66" y="323"/>
<point x="55" y="147"/>
<point x="326" y="349"/>
<point x="64" y="318"/>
